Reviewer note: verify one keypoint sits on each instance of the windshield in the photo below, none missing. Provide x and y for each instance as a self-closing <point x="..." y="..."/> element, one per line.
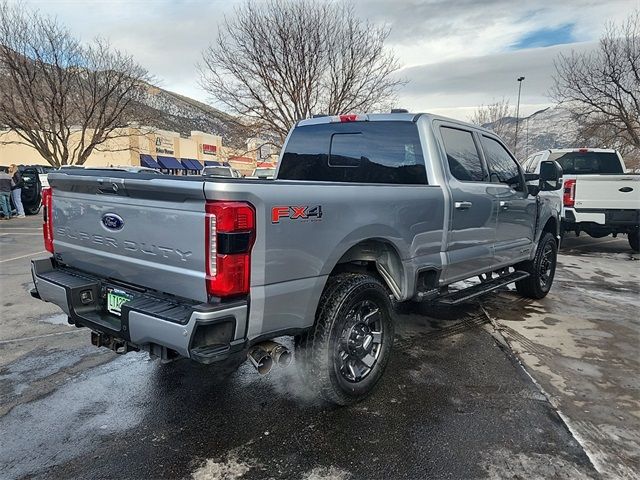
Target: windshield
<point x="218" y="171"/>
<point x="585" y="163"/>
<point x="264" y="172"/>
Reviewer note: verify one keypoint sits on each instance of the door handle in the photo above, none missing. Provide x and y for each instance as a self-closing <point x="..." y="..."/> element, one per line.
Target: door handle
<point x="463" y="205"/>
<point x="504" y="205"/>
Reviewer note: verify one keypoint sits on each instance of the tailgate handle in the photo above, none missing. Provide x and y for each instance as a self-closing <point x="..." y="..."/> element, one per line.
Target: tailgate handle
<point x="625" y="189"/>
<point x="111" y="189"/>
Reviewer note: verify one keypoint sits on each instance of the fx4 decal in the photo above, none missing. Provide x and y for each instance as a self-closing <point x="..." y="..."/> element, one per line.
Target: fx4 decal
<point x="301" y="212"/>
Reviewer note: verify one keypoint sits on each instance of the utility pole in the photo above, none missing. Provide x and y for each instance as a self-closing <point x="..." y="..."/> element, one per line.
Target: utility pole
<point x="515" y="142"/>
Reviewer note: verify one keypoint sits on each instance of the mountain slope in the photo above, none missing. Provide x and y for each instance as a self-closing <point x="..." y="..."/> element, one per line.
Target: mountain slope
<point x="170" y="111"/>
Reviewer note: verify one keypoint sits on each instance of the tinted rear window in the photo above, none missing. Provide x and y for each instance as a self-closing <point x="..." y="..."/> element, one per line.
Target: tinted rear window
<point x="367" y="152"/>
<point x="585" y="163"/>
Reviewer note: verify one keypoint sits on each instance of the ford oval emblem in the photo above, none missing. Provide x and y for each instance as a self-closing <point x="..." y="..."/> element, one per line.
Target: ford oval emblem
<point x="111" y="221"/>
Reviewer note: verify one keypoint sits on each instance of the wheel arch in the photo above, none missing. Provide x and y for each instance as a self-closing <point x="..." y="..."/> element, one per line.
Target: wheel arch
<point x="379" y="256"/>
<point x="552" y="225"/>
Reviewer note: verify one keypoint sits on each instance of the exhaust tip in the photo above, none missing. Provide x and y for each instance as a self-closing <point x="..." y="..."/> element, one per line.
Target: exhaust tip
<point x="261" y="360"/>
<point x="284" y="357"/>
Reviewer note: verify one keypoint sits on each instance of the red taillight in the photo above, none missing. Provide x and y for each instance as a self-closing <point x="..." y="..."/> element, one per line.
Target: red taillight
<point x="230" y="233"/>
<point x="47" y="218"/>
<point x="569" y="193"/>
<point x="583" y="150"/>
<point x="348" y="118"/>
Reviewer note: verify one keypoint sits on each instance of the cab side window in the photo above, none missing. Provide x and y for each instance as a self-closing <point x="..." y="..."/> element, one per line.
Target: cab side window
<point x="503" y="168"/>
<point x="462" y="155"/>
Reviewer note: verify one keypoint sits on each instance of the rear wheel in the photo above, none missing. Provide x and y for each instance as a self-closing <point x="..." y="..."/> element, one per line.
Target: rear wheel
<point x="33" y="210"/>
<point x="634" y="240"/>
<point x="542" y="269"/>
<point x="346" y="352"/>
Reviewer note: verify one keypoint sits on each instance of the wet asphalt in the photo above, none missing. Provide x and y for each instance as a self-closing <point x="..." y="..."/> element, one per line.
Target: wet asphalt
<point x="453" y="403"/>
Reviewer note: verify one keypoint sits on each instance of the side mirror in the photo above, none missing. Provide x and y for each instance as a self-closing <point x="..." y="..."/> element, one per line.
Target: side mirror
<point x="550" y="176"/>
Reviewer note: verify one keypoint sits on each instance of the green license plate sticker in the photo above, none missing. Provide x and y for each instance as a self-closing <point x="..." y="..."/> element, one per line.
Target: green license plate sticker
<point x="115" y="299"/>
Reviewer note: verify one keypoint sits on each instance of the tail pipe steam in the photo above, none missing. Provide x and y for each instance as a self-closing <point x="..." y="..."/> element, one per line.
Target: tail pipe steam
<point x="265" y="354"/>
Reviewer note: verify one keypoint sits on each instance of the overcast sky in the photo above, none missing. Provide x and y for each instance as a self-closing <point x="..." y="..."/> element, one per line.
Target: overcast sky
<point x="456" y="54"/>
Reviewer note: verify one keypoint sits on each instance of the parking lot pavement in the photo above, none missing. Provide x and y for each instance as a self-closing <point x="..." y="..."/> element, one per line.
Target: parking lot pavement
<point x="582" y="345"/>
<point x="452" y="404"/>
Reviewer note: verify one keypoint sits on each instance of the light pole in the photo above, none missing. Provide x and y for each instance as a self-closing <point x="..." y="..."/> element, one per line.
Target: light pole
<point x="515" y="142"/>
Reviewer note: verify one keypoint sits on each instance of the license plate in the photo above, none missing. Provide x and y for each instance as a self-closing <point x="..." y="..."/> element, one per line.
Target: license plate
<point x="115" y="299"/>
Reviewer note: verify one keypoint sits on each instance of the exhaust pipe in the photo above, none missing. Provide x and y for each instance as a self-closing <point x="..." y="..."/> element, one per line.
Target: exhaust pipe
<point x="260" y="359"/>
<point x="281" y="355"/>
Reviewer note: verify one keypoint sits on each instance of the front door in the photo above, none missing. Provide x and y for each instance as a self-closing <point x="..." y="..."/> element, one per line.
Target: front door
<point x="473" y="213"/>
<point x="517" y="210"/>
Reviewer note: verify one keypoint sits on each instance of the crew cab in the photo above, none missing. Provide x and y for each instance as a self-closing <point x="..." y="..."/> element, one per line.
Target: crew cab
<point x="599" y="198"/>
<point x="365" y="211"/>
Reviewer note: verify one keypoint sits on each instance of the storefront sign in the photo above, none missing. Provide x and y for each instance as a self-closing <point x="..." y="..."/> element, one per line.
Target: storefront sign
<point x="208" y="149"/>
<point x="164" y="145"/>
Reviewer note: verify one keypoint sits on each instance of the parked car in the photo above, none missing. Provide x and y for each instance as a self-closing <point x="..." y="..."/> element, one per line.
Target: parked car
<point x="34" y="178"/>
<point x="366" y="210"/>
<point x="262" y="172"/>
<point x="599" y="197"/>
<point x="220" y="171"/>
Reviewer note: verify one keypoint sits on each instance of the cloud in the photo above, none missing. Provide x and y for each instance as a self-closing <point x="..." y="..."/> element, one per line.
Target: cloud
<point x="457" y="54"/>
<point x="457" y="86"/>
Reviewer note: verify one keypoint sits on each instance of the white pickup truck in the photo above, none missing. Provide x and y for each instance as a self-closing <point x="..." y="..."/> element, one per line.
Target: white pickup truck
<point x="598" y="197"/>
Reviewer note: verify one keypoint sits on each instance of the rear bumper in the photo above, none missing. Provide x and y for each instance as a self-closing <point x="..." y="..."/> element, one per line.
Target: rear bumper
<point x="614" y="220"/>
<point x="203" y="332"/>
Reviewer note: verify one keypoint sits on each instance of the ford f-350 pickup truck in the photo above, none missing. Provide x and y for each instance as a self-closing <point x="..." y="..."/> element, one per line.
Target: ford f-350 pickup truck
<point x="365" y="211"/>
<point x="599" y="198"/>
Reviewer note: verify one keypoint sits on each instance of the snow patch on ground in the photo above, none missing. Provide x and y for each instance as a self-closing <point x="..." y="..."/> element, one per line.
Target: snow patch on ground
<point x="232" y="469"/>
<point x="326" y="473"/>
<point x="60" y="319"/>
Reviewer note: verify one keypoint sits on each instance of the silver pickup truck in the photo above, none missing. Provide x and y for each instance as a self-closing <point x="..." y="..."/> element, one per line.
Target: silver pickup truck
<point x="365" y="211"/>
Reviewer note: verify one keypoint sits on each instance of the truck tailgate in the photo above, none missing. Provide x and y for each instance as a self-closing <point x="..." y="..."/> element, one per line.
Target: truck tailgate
<point x="607" y="192"/>
<point x="147" y="230"/>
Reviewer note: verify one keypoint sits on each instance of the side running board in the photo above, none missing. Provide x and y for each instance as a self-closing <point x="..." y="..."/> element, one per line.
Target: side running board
<point x="462" y="296"/>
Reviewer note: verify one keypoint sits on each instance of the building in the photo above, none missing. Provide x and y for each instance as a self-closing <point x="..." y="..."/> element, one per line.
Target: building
<point x="134" y="146"/>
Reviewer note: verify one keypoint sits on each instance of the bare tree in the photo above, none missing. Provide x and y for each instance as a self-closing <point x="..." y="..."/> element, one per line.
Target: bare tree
<point x="278" y="61"/>
<point x="62" y="98"/>
<point x="497" y="116"/>
<point x="602" y="88"/>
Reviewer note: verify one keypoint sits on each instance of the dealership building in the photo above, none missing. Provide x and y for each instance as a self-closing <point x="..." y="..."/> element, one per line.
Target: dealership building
<point x="170" y="152"/>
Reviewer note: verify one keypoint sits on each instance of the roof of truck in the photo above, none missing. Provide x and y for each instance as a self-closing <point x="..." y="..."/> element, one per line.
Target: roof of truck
<point x="575" y="149"/>
<point x="383" y="117"/>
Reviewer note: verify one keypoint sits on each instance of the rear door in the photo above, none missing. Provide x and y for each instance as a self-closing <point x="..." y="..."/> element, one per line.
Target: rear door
<point x="473" y="217"/>
<point x="517" y="210"/>
<point x="30" y="189"/>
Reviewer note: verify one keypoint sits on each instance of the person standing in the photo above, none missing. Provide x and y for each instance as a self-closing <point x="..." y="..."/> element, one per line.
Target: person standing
<point x="16" y="189"/>
<point x="5" y="194"/>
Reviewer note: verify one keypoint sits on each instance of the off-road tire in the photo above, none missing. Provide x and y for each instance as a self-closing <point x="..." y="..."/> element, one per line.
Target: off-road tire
<point x="318" y="349"/>
<point x="539" y="282"/>
<point x="634" y="240"/>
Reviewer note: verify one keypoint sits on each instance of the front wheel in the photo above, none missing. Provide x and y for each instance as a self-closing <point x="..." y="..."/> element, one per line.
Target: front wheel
<point x="345" y="353"/>
<point x="634" y="240"/>
<point x="542" y="269"/>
